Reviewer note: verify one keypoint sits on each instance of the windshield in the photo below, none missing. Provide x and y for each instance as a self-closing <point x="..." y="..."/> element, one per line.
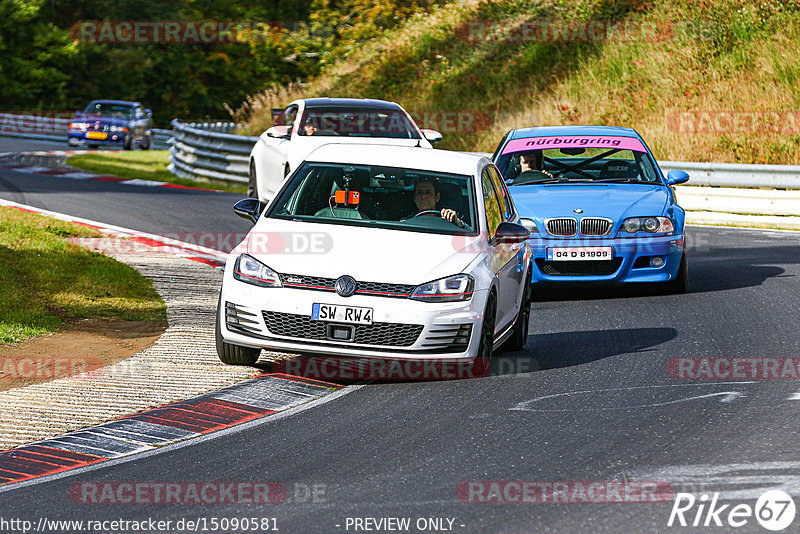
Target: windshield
<point x="375" y="196"/>
<point x="106" y="109"/>
<point x="577" y="164"/>
<point x="357" y="122"/>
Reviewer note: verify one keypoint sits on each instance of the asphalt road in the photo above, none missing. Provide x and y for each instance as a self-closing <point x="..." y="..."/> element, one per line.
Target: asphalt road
<point x="15" y="144"/>
<point x="198" y="217"/>
<point x="591" y="398"/>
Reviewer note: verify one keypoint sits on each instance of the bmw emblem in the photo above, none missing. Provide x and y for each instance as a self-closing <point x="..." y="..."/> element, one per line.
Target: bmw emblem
<point x="345" y="286"/>
<point x="578" y="211"/>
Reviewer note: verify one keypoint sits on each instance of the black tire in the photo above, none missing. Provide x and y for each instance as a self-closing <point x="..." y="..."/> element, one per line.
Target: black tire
<point x="519" y="333"/>
<point x="481" y="365"/>
<point x="229" y="353"/>
<point x="128" y="142"/>
<point x="252" y="188"/>
<point x="681" y="282"/>
<point x="146" y="142"/>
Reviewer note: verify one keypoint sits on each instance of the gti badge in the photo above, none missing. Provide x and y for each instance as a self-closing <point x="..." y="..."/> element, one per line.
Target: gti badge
<point x="578" y="211"/>
<point x="345" y="286"/>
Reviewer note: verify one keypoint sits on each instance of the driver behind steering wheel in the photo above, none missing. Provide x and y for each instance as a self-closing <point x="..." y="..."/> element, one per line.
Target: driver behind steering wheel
<point x="426" y="196"/>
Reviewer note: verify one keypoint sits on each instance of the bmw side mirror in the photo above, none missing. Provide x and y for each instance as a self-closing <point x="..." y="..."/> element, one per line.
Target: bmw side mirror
<point x="431" y="135"/>
<point x="676" y="177"/>
<point x="249" y="208"/>
<point x="510" y="233"/>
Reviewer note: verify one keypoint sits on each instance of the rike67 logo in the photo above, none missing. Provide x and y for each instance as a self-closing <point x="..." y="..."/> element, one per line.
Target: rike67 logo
<point x="774" y="510"/>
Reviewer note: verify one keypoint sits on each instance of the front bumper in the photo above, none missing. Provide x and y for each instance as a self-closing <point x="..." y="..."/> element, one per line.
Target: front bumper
<point x="76" y="138"/>
<point x="287" y="325"/>
<point x="631" y="260"/>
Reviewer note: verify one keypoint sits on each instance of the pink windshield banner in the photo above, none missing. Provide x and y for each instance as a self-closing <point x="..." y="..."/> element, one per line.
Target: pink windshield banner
<point x="571" y="141"/>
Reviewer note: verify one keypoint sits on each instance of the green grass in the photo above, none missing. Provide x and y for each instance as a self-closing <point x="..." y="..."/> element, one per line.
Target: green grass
<point x="143" y="165"/>
<point x="46" y="281"/>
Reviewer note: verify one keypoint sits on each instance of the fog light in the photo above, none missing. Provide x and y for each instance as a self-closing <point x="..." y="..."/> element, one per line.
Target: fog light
<point x="657" y="262"/>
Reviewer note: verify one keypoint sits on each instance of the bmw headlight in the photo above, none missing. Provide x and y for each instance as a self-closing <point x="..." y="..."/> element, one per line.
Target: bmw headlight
<point x="78" y="126"/>
<point x="651" y="225"/>
<point x="249" y="270"/>
<point x="450" y="289"/>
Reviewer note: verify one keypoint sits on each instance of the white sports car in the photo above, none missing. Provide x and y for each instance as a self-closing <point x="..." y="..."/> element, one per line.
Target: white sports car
<point x="309" y="123"/>
<point x="380" y="252"/>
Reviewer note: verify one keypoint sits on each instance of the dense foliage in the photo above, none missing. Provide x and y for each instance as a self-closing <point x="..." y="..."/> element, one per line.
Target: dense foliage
<point x="46" y="65"/>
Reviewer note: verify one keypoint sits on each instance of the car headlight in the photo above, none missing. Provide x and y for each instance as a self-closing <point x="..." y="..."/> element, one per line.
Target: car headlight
<point x="249" y="270"/>
<point x="78" y="126"/>
<point x="450" y="289"/>
<point x="651" y="225"/>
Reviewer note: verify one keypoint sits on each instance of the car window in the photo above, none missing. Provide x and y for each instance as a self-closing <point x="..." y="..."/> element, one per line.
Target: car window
<point x="577" y="164"/>
<point x="107" y="109"/>
<point x="377" y="196"/>
<point x="503" y="198"/>
<point x="357" y="122"/>
<point x="493" y="214"/>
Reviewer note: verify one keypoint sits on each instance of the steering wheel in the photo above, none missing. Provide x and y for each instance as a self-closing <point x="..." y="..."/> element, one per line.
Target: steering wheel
<point x="427" y="212"/>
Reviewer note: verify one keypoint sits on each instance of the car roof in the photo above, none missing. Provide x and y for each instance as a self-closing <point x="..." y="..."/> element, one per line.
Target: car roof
<point x="120" y="102"/>
<point x="369" y="103"/>
<point x="550" y="131"/>
<point x="432" y="159"/>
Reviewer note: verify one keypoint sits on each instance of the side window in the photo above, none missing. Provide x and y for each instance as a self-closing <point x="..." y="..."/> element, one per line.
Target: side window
<point x="286" y="117"/>
<point x="493" y="215"/>
<point x="504" y="199"/>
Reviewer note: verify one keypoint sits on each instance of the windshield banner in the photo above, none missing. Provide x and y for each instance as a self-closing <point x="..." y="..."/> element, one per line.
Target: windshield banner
<point x="572" y="141"/>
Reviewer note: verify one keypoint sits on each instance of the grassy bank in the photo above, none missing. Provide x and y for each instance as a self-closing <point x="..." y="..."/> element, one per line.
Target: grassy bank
<point x="45" y="281"/>
<point x="700" y="80"/>
<point x="143" y="165"/>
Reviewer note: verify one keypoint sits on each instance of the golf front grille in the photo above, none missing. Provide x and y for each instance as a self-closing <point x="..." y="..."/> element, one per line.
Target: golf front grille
<point x="304" y="327"/>
<point x="318" y="283"/>
<point x="563" y="227"/>
<point x="579" y="268"/>
<point x="595" y="226"/>
<point x="238" y="319"/>
<point x="453" y="338"/>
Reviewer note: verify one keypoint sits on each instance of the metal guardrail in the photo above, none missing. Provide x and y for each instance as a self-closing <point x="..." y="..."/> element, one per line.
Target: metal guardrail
<point x="34" y="127"/>
<point x="737" y="174"/>
<point x="207" y="150"/>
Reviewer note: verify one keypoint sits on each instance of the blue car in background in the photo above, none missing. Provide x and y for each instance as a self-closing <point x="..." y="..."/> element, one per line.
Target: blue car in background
<point x="598" y="206"/>
<point x="112" y="122"/>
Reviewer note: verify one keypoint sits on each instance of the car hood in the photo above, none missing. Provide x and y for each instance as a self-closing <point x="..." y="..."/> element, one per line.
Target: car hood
<point x="104" y="121"/>
<point x="367" y="254"/>
<point x="614" y="201"/>
<point x="300" y="147"/>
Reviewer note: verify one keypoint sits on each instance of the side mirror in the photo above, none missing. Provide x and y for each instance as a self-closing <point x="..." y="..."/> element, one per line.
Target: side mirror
<point x="79" y="114"/>
<point x="279" y="132"/>
<point x="249" y="208"/>
<point x="676" y="177"/>
<point x="431" y="135"/>
<point x="510" y="233"/>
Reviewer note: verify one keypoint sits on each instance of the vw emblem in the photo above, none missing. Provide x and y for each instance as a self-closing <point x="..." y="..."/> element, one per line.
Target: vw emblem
<point x="345" y="286"/>
<point x="578" y="211"/>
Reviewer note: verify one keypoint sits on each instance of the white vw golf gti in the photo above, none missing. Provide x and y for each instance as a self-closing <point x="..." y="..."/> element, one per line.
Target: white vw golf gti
<point x="379" y="252"/>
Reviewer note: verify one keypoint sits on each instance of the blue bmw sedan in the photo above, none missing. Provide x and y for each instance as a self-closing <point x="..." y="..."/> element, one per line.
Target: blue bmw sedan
<point x="112" y="122"/>
<point x="597" y="205"/>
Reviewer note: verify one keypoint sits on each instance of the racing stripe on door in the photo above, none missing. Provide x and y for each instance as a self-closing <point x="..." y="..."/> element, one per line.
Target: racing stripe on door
<point x="252" y="399"/>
